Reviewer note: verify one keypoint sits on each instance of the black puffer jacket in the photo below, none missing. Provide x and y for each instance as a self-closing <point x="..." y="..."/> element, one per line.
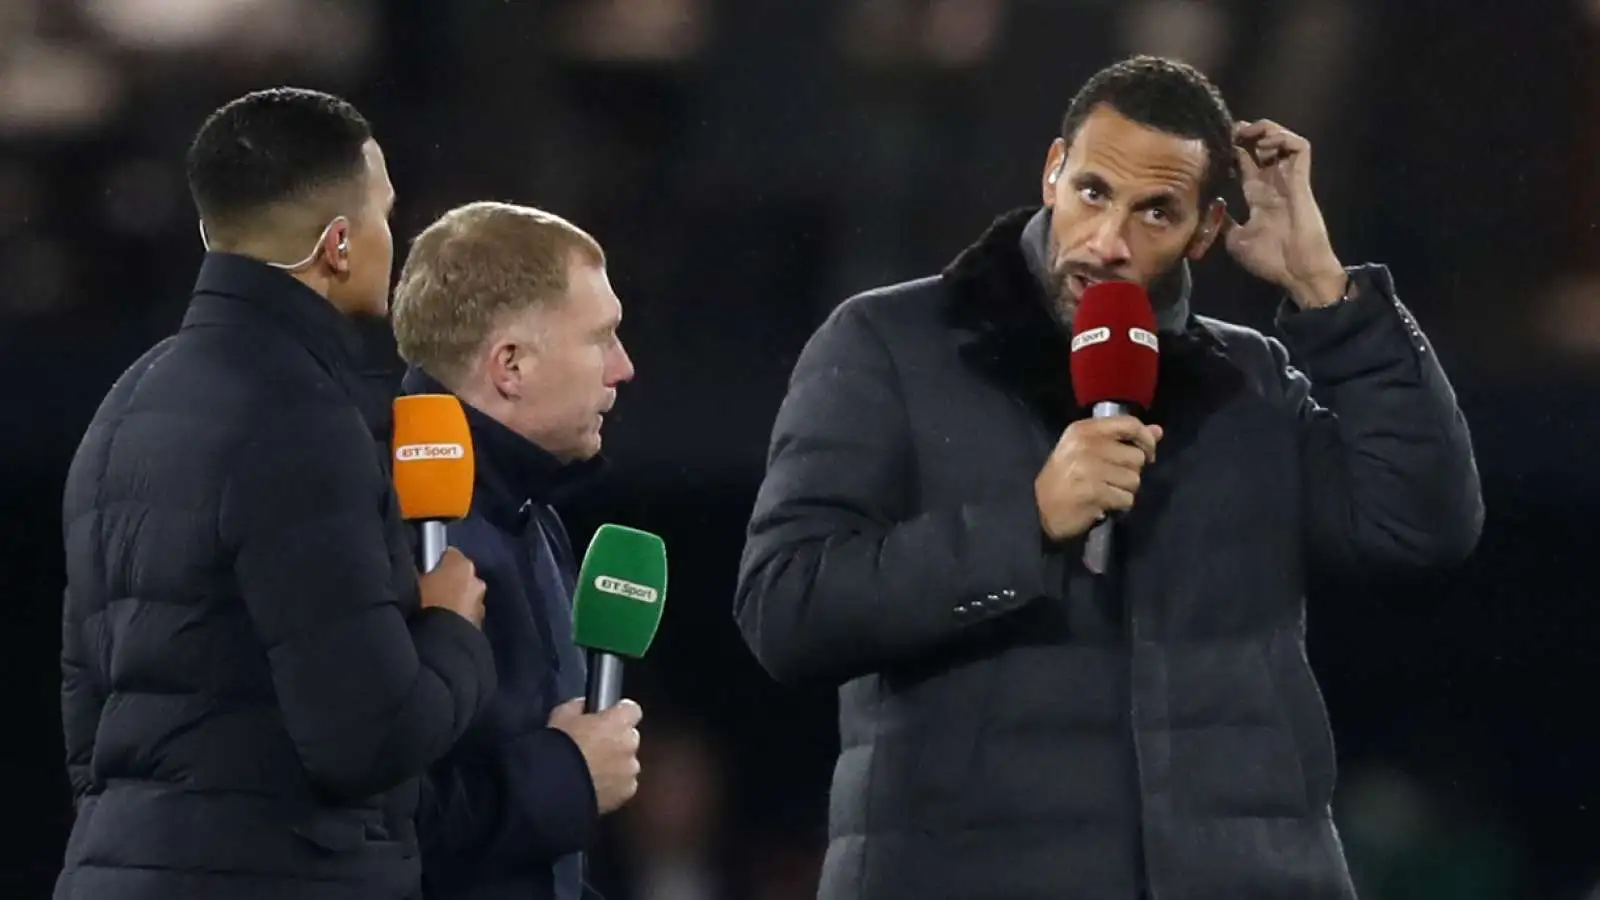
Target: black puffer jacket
<point x="249" y="689"/>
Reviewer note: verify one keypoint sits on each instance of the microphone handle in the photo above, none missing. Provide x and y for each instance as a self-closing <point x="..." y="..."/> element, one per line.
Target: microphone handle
<point x="1097" y="546"/>
<point x="433" y="544"/>
<point x="605" y="681"/>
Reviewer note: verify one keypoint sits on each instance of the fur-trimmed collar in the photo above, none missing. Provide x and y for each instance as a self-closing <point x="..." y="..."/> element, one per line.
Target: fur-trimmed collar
<point x="1014" y="341"/>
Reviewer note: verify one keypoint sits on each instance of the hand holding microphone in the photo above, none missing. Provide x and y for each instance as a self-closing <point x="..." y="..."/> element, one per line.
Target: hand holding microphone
<point x="1094" y="471"/>
<point x="433" y="474"/>
<point x="609" y="740"/>
<point x="453" y="584"/>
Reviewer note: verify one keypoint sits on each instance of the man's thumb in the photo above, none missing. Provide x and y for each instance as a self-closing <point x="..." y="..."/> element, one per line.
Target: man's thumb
<point x="628" y="711"/>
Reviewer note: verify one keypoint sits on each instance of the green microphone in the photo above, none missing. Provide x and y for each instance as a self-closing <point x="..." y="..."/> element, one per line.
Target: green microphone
<point x="622" y="591"/>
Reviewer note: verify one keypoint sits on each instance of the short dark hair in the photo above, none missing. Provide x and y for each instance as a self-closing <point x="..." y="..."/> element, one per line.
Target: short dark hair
<point x="1168" y="96"/>
<point x="271" y="147"/>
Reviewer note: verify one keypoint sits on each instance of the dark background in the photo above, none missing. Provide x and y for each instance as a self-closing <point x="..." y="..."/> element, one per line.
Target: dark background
<point x="748" y="164"/>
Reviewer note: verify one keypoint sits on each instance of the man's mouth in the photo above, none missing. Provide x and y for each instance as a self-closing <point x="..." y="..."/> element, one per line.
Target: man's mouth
<point x="1077" y="283"/>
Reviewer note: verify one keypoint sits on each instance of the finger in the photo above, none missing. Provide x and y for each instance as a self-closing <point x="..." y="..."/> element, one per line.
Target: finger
<point x="1121" y="428"/>
<point x="1157" y="432"/>
<point x="633" y="740"/>
<point x="1265" y="158"/>
<point x="1113" y="499"/>
<point x="1122" y="478"/>
<point x="627" y="712"/>
<point x="1149" y="437"/>
<point x="1283" y="141"/>
<point x="1250" y="131"/>
<point x="1087" y="433"/>
<point x="1129" y="454"/>
<point x="456" y="559"/>
<point x="1273" y="151"/>
<point x="1130" y="457"/>
<point x="1130" y="430"/>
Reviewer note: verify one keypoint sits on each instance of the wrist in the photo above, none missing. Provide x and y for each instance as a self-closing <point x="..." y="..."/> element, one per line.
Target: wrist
<point x="1325" y="288"/>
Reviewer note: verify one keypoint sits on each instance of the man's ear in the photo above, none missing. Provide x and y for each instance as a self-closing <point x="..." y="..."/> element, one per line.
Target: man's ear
<point x="1055" y="161"/>
<point x="335" y="245"/>
<point x="506" y="364"/>
<point x="1213" y="222"/>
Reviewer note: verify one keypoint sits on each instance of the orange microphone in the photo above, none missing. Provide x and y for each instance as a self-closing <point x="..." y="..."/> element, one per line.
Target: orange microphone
<point x="433" y="466"/>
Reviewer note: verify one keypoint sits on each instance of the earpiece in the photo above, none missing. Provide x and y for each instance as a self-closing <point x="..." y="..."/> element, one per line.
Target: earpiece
<point x="343" y="247"/>
<point x="1056" y="175"/>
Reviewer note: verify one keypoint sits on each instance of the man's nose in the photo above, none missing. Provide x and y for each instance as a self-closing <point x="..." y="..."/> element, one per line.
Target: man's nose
<point x="621" y="367"/>
<point x="1109" y="243"/>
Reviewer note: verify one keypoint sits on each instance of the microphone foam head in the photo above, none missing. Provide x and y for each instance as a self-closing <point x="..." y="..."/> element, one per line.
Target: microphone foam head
<point x="622" y="591"/>
<point x="433" y="459"/>
<point x="1115" y="351"/>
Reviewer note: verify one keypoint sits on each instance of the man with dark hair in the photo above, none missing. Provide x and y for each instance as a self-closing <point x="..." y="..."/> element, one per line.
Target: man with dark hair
<point x="253" y="675"/>
<point x="1013" y="724"/>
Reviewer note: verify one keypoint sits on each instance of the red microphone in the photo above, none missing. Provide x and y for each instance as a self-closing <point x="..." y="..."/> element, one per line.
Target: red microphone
<point x="1115" y="359"/>
<point x="1115" y="353"/>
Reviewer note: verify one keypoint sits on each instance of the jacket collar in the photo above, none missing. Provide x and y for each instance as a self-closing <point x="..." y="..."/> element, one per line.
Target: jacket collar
<point x="238" y="290"/>
<point x="1010" y="337"/>
<point x="231" y="286"/>
<point x="513" y="473"/>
